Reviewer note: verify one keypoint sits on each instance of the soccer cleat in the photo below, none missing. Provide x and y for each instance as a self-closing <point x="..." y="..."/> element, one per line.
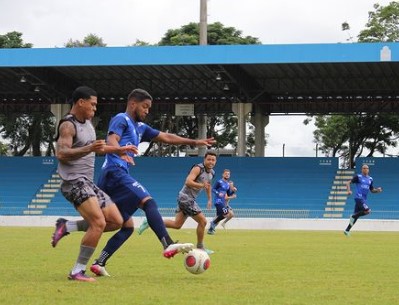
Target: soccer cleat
<point x="347" y="233"/>
<point x="351" y="221"/>
<point x="211" y="232"/>
<point x="98" y="270"/>
<point x="208" y="251"/>
<point x="60" y="231"/>
<point x="80" y="276"/>
<point x="173" y="249"/>
<point x="144" y="226"/>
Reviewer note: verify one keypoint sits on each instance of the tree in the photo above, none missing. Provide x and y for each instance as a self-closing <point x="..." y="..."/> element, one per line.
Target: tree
<point x="13" y="40"/>
<point x="26" y="131"/>
<point x="350" y="136"/>
<point x="382" y="25"/>
<point x="91" y="40"/>
<point x="222" y="127"/>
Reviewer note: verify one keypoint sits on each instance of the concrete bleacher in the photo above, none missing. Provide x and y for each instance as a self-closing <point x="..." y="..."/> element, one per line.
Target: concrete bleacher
<point x="20" y="180"/>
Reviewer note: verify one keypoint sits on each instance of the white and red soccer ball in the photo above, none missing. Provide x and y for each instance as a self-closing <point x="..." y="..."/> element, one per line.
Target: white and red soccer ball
<point x="197" y="261"/>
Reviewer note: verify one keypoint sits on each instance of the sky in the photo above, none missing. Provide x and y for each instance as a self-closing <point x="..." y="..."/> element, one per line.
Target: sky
<point x="51" y="23"/>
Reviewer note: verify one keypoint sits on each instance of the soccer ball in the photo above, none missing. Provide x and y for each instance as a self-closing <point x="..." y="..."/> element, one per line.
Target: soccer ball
<point x="197" y="261"/>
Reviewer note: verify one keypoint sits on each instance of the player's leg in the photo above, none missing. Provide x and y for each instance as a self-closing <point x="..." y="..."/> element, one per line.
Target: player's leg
<point x="91" y="212"/>
<point x="176" y="223"/>
<point x="156" y="223"/>
<point x="201" y="224"/>
<point x="221" y="213"/>
<point x="361" y="209"/>
<point x="113" y="244"/>
<point x="230" y="215"/>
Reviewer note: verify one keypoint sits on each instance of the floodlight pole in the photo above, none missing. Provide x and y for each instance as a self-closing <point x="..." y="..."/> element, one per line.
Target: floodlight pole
<point x="203" y="40"/>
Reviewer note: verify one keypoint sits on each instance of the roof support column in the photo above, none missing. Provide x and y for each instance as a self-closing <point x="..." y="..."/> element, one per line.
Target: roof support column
<point x="59" y="111"/>
<point x="259" y="120"/>
<point x="241" y="110"/>
<point x="202" y="124"/>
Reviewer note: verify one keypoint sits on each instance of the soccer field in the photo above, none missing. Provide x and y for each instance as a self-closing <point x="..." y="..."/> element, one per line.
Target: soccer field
<point x="248" y="267"/>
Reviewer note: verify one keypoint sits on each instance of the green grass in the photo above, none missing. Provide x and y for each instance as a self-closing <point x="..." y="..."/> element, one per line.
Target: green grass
<point x="249" y="267"/>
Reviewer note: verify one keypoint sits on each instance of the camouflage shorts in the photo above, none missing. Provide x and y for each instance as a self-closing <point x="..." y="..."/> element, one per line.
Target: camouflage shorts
<point x="79" y="190"/>
<point x="188" y="206"/>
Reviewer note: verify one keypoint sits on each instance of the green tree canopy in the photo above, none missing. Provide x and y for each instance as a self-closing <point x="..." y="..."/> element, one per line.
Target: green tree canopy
<point x="91" y="40"/>
<point x="13" y="40"/>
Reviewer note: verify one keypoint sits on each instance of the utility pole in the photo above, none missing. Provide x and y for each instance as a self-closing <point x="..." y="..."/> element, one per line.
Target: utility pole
<point x="203" y="40"/>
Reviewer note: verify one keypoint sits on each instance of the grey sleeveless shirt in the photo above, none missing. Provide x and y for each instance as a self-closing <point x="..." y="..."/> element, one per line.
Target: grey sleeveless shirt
<point x="204" y="176"/>
<point x="84" y="166"/>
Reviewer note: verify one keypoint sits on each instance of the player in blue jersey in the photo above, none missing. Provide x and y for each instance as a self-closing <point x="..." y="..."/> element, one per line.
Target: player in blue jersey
<point x="127" y="128"/>
<point x="221" y="190"/>
<point x="230" y="215"/>
<point x="364" y="184"/>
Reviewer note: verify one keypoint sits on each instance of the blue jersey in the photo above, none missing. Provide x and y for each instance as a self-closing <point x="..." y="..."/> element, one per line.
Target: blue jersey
<point x="219" y="190"/>
<point x="363" y="185"/>
<point x="130" y="133"/>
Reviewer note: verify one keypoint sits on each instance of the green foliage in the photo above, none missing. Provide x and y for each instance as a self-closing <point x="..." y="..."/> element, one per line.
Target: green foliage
<point x="13" y="40"/>
<point x="91" y="40"/>
<point x="3" y="149"/>
<point x="349" y="136"/>
<point x="256" y="267"/>
<point x="382" y="25"/>
<point x="26" y="132"/>
<point x="218" y="34"/>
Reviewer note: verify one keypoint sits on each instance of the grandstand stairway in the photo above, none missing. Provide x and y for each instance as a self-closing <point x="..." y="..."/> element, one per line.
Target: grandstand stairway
<point x="44" y="196"/>
<point x="338" y="195"/>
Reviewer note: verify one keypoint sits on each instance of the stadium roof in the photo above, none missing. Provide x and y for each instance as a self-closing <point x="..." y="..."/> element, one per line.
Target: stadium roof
<point x="304" y="78"/>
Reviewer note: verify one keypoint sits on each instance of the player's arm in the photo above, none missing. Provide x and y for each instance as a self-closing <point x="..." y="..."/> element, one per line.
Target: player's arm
<point x="171" y="138"/>
<point x="190" y="180"/>
<point x="355" y="179"/>
<point x="375" y="189"/>
<point x="113" y="147"/>
<point x="65" y="152"/>
<point x="209" y="195"/>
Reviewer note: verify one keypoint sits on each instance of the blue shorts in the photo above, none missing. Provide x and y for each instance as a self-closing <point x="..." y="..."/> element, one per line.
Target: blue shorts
<point x="123" y="189"/>
<point x="221" y="209"/>
<point x="361" y="205"/>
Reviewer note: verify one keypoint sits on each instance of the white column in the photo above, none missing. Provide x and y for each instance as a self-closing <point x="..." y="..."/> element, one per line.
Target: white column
<point x="241" y="110"/>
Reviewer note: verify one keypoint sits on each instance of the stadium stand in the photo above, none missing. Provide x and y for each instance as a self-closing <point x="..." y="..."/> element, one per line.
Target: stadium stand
<point x="268" y="187"/>
<point x="21" y="178"/>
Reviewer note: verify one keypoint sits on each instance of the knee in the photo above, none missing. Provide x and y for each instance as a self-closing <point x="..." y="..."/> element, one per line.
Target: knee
<point x="98" y="224"/>
<point x="202" y="222"/>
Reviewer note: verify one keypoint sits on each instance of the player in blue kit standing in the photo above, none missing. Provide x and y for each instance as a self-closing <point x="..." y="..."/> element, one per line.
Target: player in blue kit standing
<point x="364" y="184"/>
<point x="127" y="128"/>
<point x="222" y="191"/>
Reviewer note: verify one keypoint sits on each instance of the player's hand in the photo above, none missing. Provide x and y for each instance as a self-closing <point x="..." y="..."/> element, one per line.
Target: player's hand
<point x="207" y="185"/>
<point x="379" y="189"/>
<point x="129" y="148"/>
<point x="205" y="142"/>
<point x="349" y="192"/>
<point x="128" y="159"/>
<point x="98" y="146"/>
<point x="209" y="205"/>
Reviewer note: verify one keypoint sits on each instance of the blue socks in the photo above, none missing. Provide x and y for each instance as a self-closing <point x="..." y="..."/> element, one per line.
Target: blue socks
<point x="155" y="222"/>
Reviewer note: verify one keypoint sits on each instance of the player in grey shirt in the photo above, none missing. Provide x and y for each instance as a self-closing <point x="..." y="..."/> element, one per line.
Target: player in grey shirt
<point x="76" y="149"/>
<point x="199" y="178"/>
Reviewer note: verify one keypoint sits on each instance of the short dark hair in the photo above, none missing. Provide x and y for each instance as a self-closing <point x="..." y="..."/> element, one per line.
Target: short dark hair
<point x="139" y="95"/>
<point x="83" y="92"/>
<point x="210" y="153"/>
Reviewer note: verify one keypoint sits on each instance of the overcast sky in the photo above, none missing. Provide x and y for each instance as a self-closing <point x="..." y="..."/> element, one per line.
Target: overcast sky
<point x="51" y="23"/>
